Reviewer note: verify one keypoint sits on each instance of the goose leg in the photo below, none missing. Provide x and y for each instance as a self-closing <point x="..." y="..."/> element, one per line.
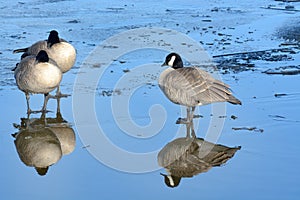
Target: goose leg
<point x="192" y="113"/>
<point x="46" y="98"/>
<point x="43" y="118"/>
<point x="27" y="101"/>
<point x="188" y="134"/>
<point x="59" y="117"/>
<point x="192" y="129"/>
<point x="58" y="106"/>
<point x="43" y="115"/>
<point x="59" y="94"/>
<point x="184" y="120"/>
<point x="191" y="121"/>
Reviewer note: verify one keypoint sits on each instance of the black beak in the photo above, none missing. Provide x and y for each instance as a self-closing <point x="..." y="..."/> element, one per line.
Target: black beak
<point x="162" y="174"/>
<point x="164" y="64"/>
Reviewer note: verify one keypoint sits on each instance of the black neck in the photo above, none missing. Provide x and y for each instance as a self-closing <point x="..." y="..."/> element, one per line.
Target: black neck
<point x="42" y="57"/>
<point x="53" y="38"/>
<point x="178" y="64"/>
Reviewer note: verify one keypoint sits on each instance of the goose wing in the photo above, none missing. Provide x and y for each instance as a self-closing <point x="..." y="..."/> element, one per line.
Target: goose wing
<point x="215" y="154"/>
<point x="188" y="166"/>
<point x="192" y="86"/>
<point x="201" y="159"/>
<point x="34" y="48"/>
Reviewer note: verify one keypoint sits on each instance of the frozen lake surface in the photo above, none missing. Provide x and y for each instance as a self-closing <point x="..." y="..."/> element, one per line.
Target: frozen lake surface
<point x="255" y="46"/>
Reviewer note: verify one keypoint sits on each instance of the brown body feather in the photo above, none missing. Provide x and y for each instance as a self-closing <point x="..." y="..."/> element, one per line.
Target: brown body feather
<point x="191" y="86"/>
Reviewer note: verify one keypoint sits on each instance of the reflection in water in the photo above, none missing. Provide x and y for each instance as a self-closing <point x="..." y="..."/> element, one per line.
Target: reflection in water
<point x="189" y="156"/>
<point x="41" y="142"/>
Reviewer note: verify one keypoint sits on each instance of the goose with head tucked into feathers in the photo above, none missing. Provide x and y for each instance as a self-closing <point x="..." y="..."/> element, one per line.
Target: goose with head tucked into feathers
<point x="58" y="49"/>
<point x="37" y="74"/>
<point x="191" y="86"/>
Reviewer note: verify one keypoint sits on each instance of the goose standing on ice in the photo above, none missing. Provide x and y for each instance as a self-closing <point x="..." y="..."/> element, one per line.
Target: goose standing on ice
<point x="191" y="86"/>
<point x="37" y="74"/>
<point x="58" y="49"/>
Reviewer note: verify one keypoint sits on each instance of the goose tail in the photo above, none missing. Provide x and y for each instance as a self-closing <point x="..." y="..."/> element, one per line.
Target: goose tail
<point x="234" y="100"/>
<point x="20" y="50"/>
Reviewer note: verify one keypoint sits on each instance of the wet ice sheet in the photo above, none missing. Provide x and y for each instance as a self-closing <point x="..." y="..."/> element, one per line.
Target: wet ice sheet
<point x="266" y="166"/>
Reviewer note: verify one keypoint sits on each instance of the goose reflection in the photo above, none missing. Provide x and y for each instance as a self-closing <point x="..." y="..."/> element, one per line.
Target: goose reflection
<point x="41" y="142"/>
<point x="189" y="156"/>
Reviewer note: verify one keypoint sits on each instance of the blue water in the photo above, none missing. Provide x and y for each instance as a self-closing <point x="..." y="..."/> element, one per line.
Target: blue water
<point x="267" y="165"/>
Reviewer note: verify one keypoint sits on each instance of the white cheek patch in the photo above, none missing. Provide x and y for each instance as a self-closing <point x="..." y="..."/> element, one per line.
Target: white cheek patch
<point x="171" y="180"/>
<point x="171" y="62"/>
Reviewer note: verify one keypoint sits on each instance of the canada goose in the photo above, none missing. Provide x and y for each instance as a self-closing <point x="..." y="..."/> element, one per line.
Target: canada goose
<point x="189" y="156"/>
<point x="41" y="142"/>
<point x="38" y="147"/>
<point x="191" y="86"/>
<point x="37" y="74"/>
<point x="60" y="127"/>
<point x="58" y="49"/>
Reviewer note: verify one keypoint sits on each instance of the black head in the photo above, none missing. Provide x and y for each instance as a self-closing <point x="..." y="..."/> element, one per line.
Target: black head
<point x="173" y="60"/>
<point x="53" y="38"/>
<point x="171" y="181"/>
<point x="42" y="171"/>
<point x="42" y="56"/>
